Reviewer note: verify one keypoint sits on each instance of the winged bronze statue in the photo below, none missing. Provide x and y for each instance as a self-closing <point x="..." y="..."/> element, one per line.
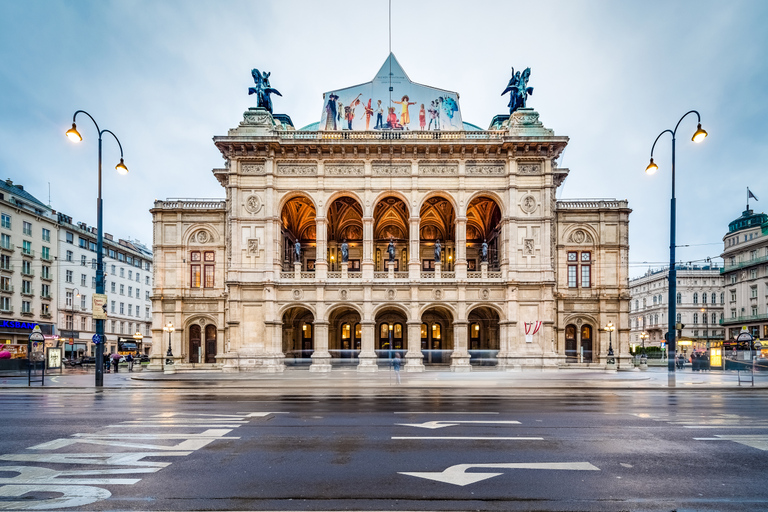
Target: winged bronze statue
<point x="262" y="89"/>
<point x="518" y="89"/>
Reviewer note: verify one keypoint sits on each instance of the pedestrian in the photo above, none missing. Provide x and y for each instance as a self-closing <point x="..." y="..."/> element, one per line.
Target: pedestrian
<point x="129" y="360"/>
<point x="106" y="364"/>
<point x="396" y="366"/>
<point x="115" y="361"/>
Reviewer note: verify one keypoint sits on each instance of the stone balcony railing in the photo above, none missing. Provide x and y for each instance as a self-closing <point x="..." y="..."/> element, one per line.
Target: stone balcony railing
<point x="390" y="135"/>
<point x="191" y="204"/>
<point x="584" y="204"/>
<point x="383" y="277"/>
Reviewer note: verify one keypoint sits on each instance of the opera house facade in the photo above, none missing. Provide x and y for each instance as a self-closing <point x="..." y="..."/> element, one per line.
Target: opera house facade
<point x="389" y="227"/>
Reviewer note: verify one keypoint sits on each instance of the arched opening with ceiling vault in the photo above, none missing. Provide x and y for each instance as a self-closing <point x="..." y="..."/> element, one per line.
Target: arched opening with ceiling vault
<point x="437" y="335"/>
<point x="391" y="225"/>
<point x="344" y="221"/>
<point x="483" y="226"/>
<point x="437" y="225"/>
<point x="298" y="226"/>
<point x="391" y="335"/>
<point x="483" y="336"/>
<point x="298" y="336"/>
<point x="345" y="335"/>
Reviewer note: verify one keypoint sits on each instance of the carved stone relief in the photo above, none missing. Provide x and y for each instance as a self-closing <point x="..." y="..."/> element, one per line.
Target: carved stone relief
<point x="391" y="294"/>
<point x="201" y="321"/>
<point x="529" y="169"/>
<point x="343" y="294"/>
<point x="297" y="294"/>
<point x="580" y="236"/>
<point x="202" y="237"/>
<point x="485" y="293"/>
<point x="260" y="118"/>
<point x="253" y="245"/>
<point x="485" y="170"/>
<point x="296" y="170"/>
<point x="344" y="170"/>
<point x="253" y="204"/>
<point x="438" y="170"/>
<point x="528" y="247"/>
<point x="438" y="294"/>
<point x="528" y="204"/>
<point x="391" y="170"/>
<point x="254" y="168"/>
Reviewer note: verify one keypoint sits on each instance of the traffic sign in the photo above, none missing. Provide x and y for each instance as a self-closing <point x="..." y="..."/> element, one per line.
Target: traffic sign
<point x="96" y="339"/>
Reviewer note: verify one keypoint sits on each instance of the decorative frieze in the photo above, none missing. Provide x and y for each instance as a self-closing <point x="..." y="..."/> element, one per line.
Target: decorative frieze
<point x="344" y="170"/>
<point x="297" y="170"/>
<point x="485" y="170"/>
<point x="391" y="170"/>
<point x="529" y="168"/>
<point x="257" y="169"/>
<point x="439" y="170"/>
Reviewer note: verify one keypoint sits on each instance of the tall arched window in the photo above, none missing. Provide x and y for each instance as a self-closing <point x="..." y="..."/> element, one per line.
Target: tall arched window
<point x="714" y="318"/>
<point x="695" y="298"/>
<point x="679" y="298"/>
<point x="654" y="300"/>
<point x="722" y="298"/>
<point x="644" y="306"/>
<point x="656" y="319"/>
<point x="637" y="304"/>
<point x="695" y="319"/>
<point x="679" y="318"/>
<point x="704" y="298"/>
<point x="714" y="298"/>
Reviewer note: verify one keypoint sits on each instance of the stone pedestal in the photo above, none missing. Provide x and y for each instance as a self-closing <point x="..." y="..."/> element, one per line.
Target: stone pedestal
<point x="414" y="359"/>
<point x="368" y="362"/>
<point x="252" y="359"/>
<point x="344" y="269"/>
<point x="643" y="363"/>
<point x="438" y="269"/>
<point x="484" y="270"/>
<point x="321" y="358"/>
<point x="169" y="365"/>
<point x="297" y="270"/>
<point x="391" y="269"/>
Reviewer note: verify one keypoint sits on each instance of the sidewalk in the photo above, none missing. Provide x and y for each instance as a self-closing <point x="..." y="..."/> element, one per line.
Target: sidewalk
<point x="349" y="382"/>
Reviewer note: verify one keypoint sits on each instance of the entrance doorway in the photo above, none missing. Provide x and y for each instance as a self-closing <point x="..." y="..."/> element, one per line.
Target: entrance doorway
<point x="436" y="336"/>
<point x="298" y="336"/>
<point x="344" y="335"/>
<point x="484" y="336"/>
<point x="195" y="345"/>
<point x="578" y="343"/>
<point x="391" y="334"/>
<point x="210" y="343"/>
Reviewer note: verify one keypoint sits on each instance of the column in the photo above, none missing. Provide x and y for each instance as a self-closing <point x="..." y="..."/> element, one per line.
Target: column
<point x="460" y="356"/>
<point x="367" y="263"/>
<point x="321" y="253"/>
<point x="414" y="254"/>
<point x="414" y="359"/>
<point x="321" y="358"/>
<point x="461" y="248"/>
<point x="367" y="357"/>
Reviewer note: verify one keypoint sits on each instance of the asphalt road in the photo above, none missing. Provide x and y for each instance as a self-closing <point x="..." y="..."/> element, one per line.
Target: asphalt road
<point x="145" y="449"/>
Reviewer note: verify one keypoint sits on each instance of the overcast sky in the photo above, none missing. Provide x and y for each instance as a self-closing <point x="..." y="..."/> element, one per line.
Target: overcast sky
<point x="166" y="76"/>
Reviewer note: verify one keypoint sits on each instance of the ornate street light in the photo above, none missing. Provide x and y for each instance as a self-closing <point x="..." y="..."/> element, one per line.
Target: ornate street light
<point x="75" y="136"/>
<point x="169" y="355"/>
<point x="610" y="328"/>
<point x="643" y="336"/>
<point x="698" y="136"/>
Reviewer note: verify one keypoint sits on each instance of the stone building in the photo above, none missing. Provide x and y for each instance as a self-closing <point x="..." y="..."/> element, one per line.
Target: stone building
<point x="745" y="256"/>
<point x="355" y="238"/>
<point x="699" y="306"/>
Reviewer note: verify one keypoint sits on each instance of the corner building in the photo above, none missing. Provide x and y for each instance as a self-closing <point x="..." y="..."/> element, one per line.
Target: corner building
<point x="241" y="298"/>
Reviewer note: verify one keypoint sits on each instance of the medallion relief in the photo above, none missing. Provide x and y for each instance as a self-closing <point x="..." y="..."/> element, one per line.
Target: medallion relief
<point x="580" y="236"/>
<point x="253" y="204"/>
<point x="528" y="204"/>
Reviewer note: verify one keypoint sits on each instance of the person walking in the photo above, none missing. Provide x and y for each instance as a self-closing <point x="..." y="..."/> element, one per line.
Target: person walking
<point x="115" y="362"/>
<point x="129" y="360"/>
<point x="396" y="366"/>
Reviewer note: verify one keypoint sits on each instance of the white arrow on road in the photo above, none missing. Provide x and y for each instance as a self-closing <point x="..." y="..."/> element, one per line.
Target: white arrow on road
<point x="440" y="424"/>
<point x="456" y="475"/>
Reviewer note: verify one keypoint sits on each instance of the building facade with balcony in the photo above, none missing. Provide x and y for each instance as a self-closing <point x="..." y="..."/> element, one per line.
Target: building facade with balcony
<point x="699" y="306"/>
<point x="128" y="269"/>
<point x="28" y="251"/>
<point x="354" y="238"/>
<point x="745" y="275"/>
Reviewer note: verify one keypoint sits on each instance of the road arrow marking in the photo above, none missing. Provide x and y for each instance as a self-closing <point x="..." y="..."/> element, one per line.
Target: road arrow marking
<point x="441" y="424"/>
<point x="456" y="475"/>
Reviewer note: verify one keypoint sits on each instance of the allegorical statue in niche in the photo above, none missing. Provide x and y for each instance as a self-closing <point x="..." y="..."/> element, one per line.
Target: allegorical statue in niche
<point x="518" y="89"/>
<point x="297" y="250"/>
<point x="391" y="250"/>
<point x="484" y="251"/>
<point x="344" y="251"/>
<point x="262" y="90"/>
<point x="438" y="250"/>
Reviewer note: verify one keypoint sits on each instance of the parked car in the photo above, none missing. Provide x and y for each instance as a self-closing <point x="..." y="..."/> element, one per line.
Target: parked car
<point x="143" y="358"/>
<point x="80" y="361"/>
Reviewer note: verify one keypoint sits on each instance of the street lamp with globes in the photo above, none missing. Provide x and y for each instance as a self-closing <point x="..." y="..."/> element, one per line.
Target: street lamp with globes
<point x="169" y="355"/>
<point x="609" y="329"/>
<point x="698" y="136"/>
<point x="98" y="338"/>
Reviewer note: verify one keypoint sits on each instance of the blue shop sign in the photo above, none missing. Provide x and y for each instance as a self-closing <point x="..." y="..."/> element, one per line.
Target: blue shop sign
<point x="11" y="324"/>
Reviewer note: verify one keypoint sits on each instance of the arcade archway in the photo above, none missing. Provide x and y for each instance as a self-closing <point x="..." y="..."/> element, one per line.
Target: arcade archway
<point x="345" y="223"/>
<point x="390" y="223"/>
<point x="344" y="335"/>
<point x="436" y="335"/>
<point x="391" y="334"/>
<point x="437" y="222"/>
<point x="298" y="336"/>
<point x="298" y="225"/>
<point x="483" y="336"/>
<point x="483" y="225"/>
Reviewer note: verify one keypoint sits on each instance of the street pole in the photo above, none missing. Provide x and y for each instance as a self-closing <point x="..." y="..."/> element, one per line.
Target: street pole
<point x="75" y="136"/>
<point x="698" y="136"/>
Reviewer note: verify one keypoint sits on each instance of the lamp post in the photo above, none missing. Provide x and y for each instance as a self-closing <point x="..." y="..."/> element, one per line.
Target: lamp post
<point x="611" y="359"/>
<point x="75" y="136"/>
<point x="139" y="349"/>
<point x="643" y="357"/>
<point x="643" y="336"/>
<point x="76" y="291"/>
<point x="169" y="355"/>
<point x="698" y="136"/>
<point x="391" y="327"/>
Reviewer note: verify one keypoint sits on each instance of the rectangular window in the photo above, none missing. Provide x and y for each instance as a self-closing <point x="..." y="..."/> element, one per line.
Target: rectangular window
<point x="122" y="308"/>
<point x="45" y="290"/>
<point x="210" y="272"/>
<point x="6" y="221"/>
<point x="138" y="278"/>
<point x="5" y="241"/>
<point x="26" y="306"/>
<point x="5" y="262"/>
<point x="146" y="281"/>
<point x="112" y="254"/>
<point x="26" y="247"/>
<point x="122" y="289"/>
<point x="586" y="276"/>
<point x="122" y="272"/>
<point x="5" y="303"/>
<point x="112" y="309"/>
<point x="26" y="287"/>
<point x="94" y="263"/>
<point x="69" y="276"/>
<point x="82" y="242"/>
<point x="130" y="274"/>
<point x="146" y="312"/>
<point x="70" y="238"/>
<point x="27" y="228"/>
<point x="93" y="282"/>
<point x="83" y="301"/>
<point x="130" y="309"/>
<point x="753" y="273"/>
<point x="83" y="260"/>
<point x="26" y="268"/>
<point x="45" y="309"/>
<point x="68" y="296"/>
<point x="130" y="291"/>
<point x="113" y="270"/>
<point x="5" y="283"/>
<point x="83" y="277"/>
<point x="69" y="256"/>
<point x="46" y="235"/>
<point x="45" y="253"/>
<point x="112" y="287"/>
<point x="195" y="276"/>
<point x="572" y="282"/>
<point x="753" y="292"/>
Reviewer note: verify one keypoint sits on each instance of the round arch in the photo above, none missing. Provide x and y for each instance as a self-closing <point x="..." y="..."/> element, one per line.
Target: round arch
<point x="438" y="305"/>
<point x="391" y="193"/>
<point x="304" y="305"/>
<point x="341" y="306"/>
<point x="381" y="307"/>
<point x="441" y="194"/>
<point x="589" y="230"/>
<point x="499" y="311"/>
<point x="338" y="194"/>
<point x="490" y="195"/>
<point x="293" y="194"/>
<point x="186" y="237"/>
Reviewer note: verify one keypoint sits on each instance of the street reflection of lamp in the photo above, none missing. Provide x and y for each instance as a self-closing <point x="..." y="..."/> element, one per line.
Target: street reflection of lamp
<point x="169" y="355"/>
<point x="75" y="136"/>
<point x="391" y="327"/>
<point x="610" y="328"/>
<point x="698" y="136"/>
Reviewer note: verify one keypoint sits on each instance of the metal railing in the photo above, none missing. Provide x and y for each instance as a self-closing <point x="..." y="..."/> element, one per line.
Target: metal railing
<point x="742" y="264"/>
